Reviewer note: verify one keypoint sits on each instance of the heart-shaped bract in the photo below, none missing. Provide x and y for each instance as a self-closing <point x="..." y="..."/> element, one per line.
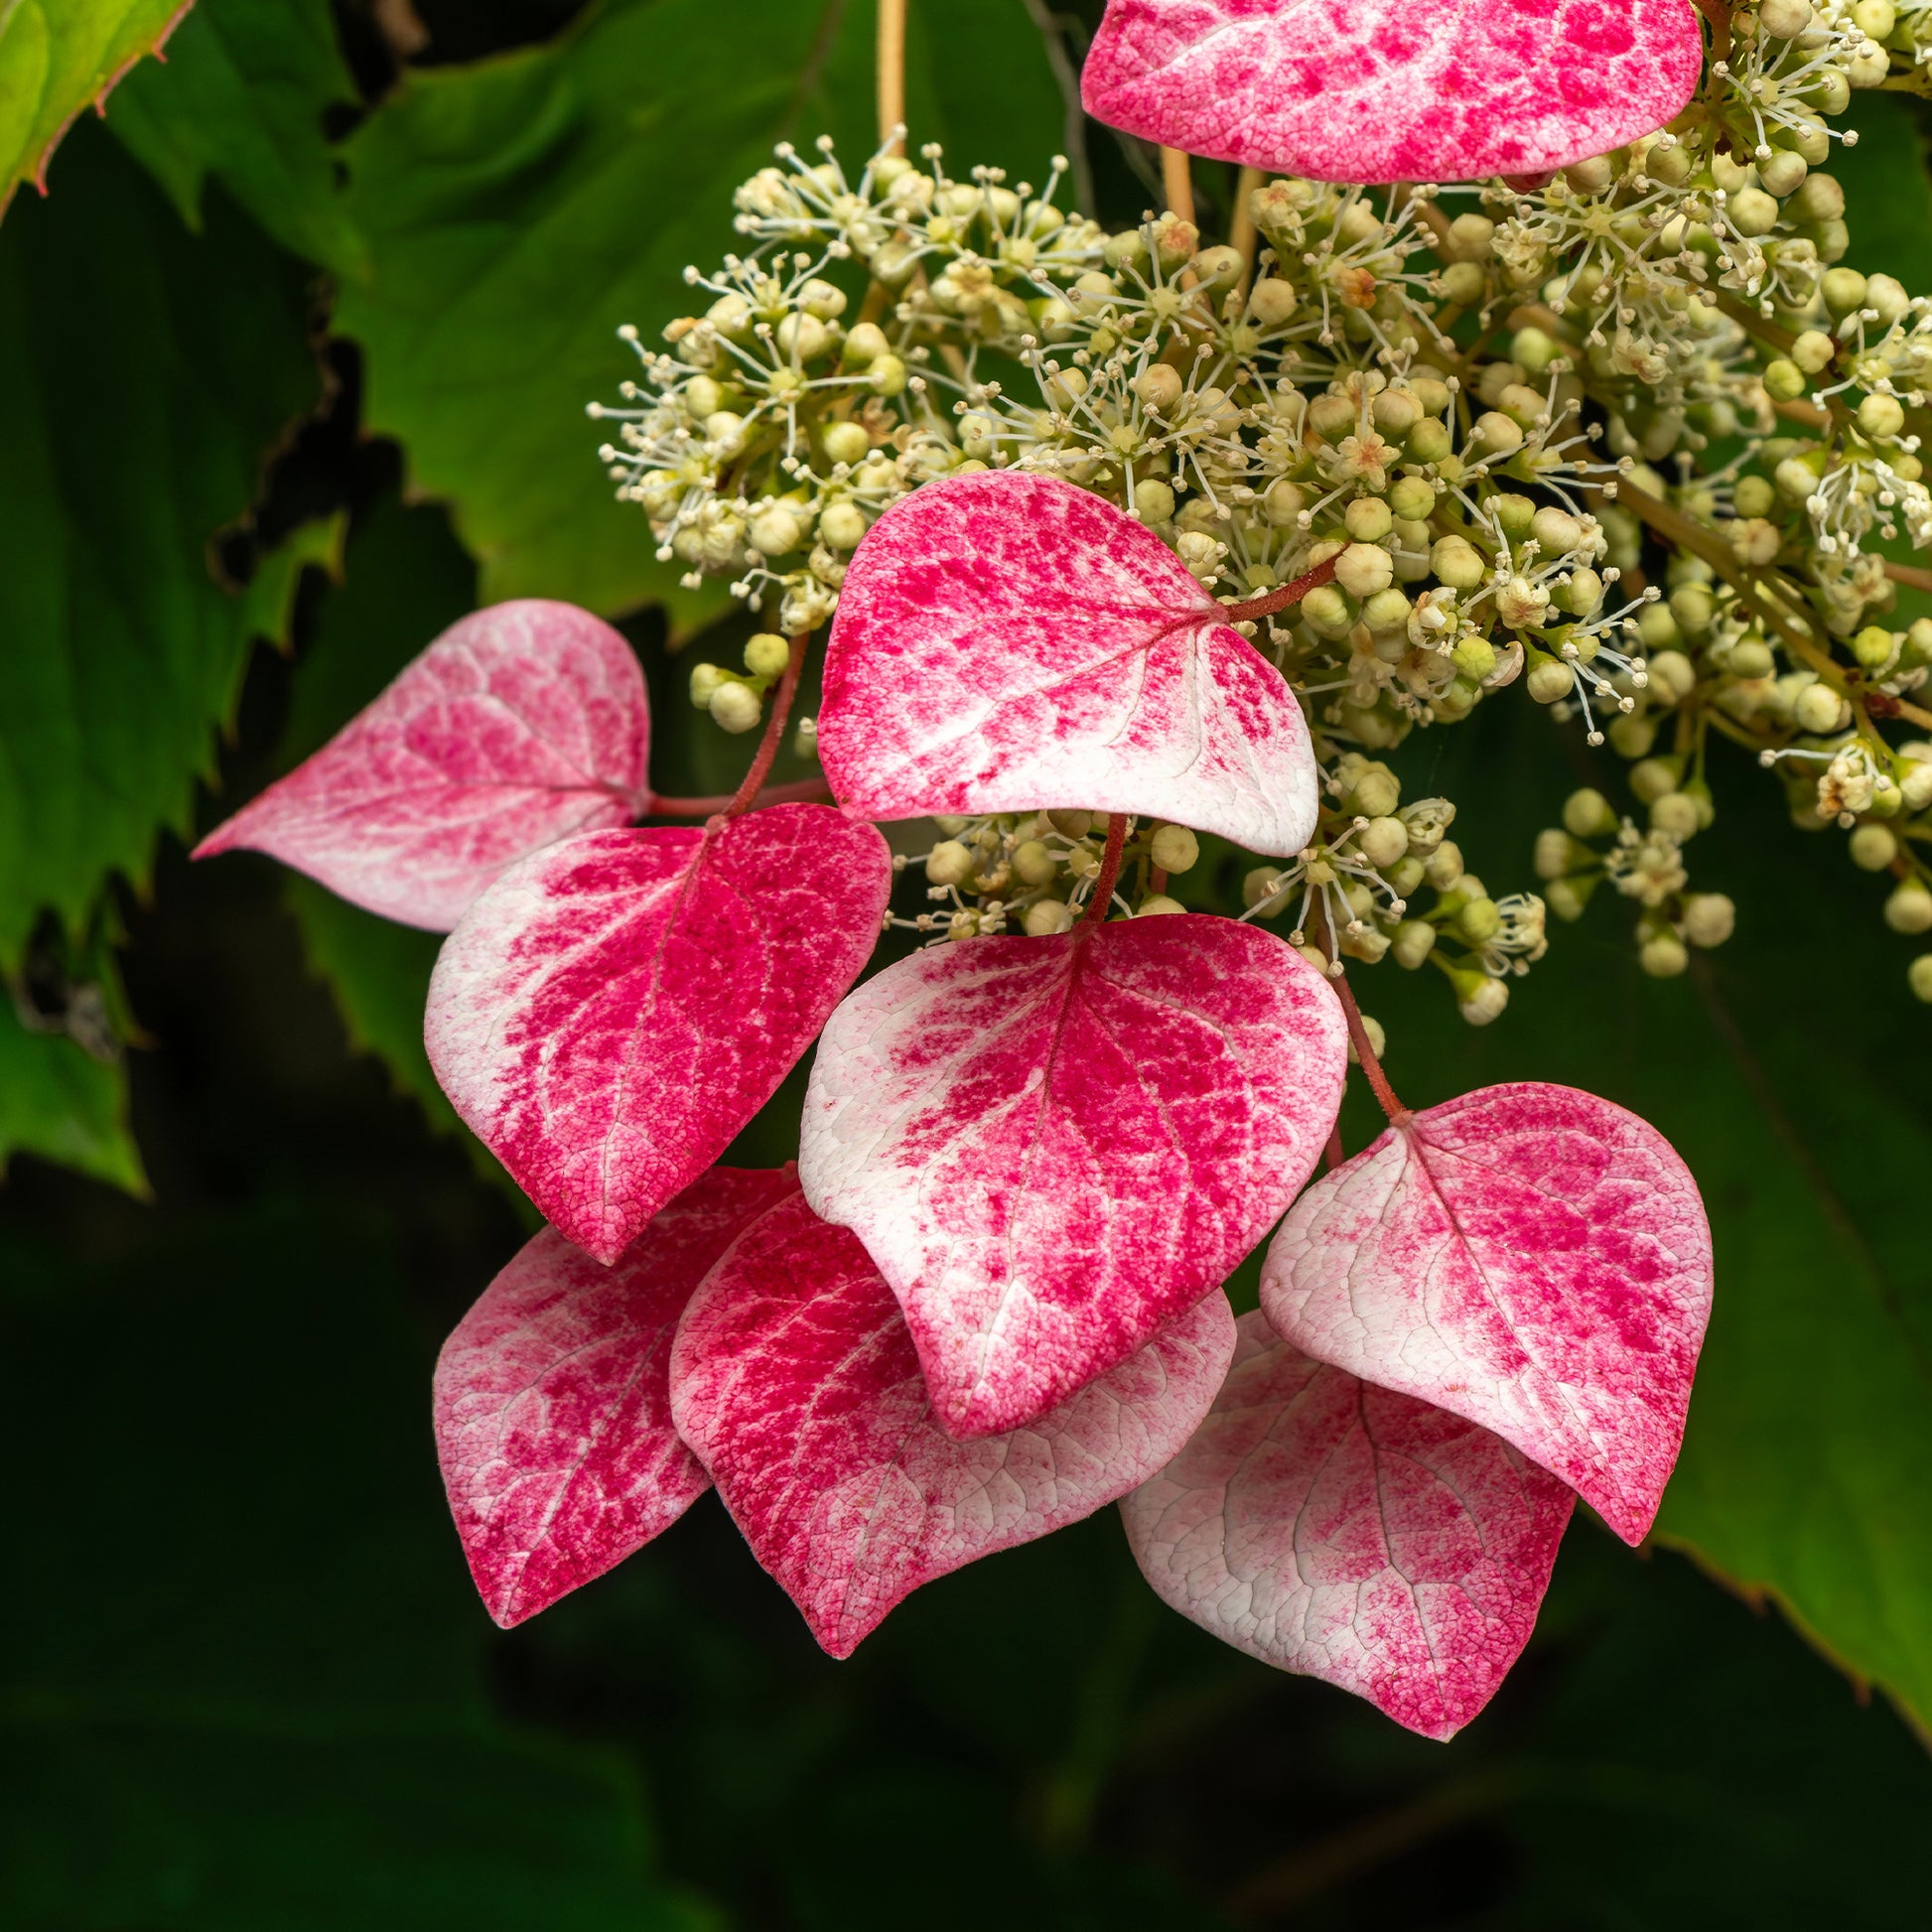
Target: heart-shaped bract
<point x="1053" y="1146"/>
<point x="1528" y="1256"/>
<point x="609" y="1014"/>
<point x="518" y="727"/>
<point x="553" y="1398"/>
<point x="1348" y="1533"/>
<point x="795" y="1381"/>
<point x="1385" y="90"/>
<point x="1007" y="642"/>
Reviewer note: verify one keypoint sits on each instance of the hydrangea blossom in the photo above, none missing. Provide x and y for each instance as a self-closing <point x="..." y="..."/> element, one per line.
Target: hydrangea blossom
<point x="1127" y="542"/>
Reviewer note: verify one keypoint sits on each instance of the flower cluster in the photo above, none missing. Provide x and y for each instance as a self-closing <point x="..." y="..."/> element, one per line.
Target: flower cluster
<point x="1628" y="440"/>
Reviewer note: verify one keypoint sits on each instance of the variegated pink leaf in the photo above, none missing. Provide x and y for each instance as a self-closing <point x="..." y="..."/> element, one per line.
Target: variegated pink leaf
<point x="1007" y="642"/>
<point x="1344" y="1532"/>
<point x="609" y="1014"/>
<point x="795" y="1381"/>
<point x="1530" y="1257"/>
<point x="1053" y="1146"/>
<point x="518" y="727"/>
<point x="1383" y="91"/>
<point x="553" y="1398"/>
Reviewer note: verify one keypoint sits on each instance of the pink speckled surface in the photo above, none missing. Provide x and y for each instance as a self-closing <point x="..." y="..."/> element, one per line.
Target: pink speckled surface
<point x="609" y="1014"/>
<point x="795" y="1379"/>
<point x="1051" y="1147"/>
<point x="553" y="1398"/>
<point x="1348" y="1532"/>
<point x="1384" y="91"/>
<point x="518" y="727"/>
<point x="1528" y="1256"/>
<point x="1007" y="642"/>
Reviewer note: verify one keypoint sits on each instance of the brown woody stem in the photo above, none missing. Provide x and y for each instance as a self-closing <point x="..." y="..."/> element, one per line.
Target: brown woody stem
<point x="891" y="72"/>
<point x="1108" y="877"/>
<point x="774" y="730"/>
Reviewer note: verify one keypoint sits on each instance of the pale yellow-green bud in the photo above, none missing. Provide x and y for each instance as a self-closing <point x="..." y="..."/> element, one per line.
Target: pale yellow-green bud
<point x="865" y="343"/>
<point x="1915" y="784"/>
<point x="1158" y="387"/>
<point x="1458" y="563"/>
<point x="1156" y="906"/>
<point x="1387" y="611"/>
<point x="1918" y="976"/>
<point x="1272" y="302"/>
<point x="776" y="530"/>
<point x="1842" y="288"/>
<point x="1376" y="792"/>
<point x="1263" y="887"/>
<point x="1174" y="848"/>
<point x="1752" y="658"/>
<point x="1671" y="676"/>
<point x="1663" y="956"/>
<point x="737" y="707"/>
<point x="1586" y="815"/>
<point x="1153" y="500"/>
<point x="1820" y="709"/>
<point x="1874" y="847"/>
<point x="1496" y="435"/>
<point x="1363" y="568"/>
<point x="1443" y="870"/>
<point x="949" y="863"/>
<point x="1784" y="379"/>
<point x="1784" y="19"/>
<point x="886" y="375"/>
<point x="1555" y="531"/>
<point x="845" y="442"/>
<point x="1653" y="777"/>
<point x="1910" y="908"/>
<point x="1478" y="998"/>
<point x="843" y="525"/>
<point x="1549" y="680"/>
<point x="1411" y="498"/>
<point x="1383" y="842"/>
<point x="1282" y="504"/>
<point x="1378" y="1039"/>
<point x="1475" y="658"/>
<point x="1328" y="612"/>
<point x="705" y="680"/>
<point x="1814" y="349"/>
<point x="1881" y="416"/>
<point x="1709" y="918"/>
<point x="1046" y="918"/>
<point x="1369" y="519"/>
<point x="1034" y="863"/>
<point x="1566" y="898"/>
<point x="1784" y="174"/>
<point x="1478" y="921"/>
<point x="1415" y="941"/>
<point x="1556" y="852"/>
<point x="1675" y="814"/>
<point x="767" y="655"/>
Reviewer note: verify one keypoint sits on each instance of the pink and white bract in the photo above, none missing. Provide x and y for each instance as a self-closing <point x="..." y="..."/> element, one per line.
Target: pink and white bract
<point x="1339" y="1530"/>
<point x="1530" y="1257"/>
<point x="612" y="1011"/>
<point x="1007" y="642"/>
<point x="795" y="1379"/>
<point x="518" y="727"/>
<point x="1053" y="1146"/>
<point x="1387" y="90"/>
<point x="553" y="1398"/>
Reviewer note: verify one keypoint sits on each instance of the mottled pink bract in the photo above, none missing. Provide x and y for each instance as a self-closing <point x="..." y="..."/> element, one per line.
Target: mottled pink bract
<point x="553" y="1398"/>
<point x="1348" y="1533"/>
<point x="1530" y="1257"/>
<point x="518" y="727"/>
<point x="609" y="1014"/>
<point x="1007" y="642"/>
<point x="1051" y="1147"/>
<point x="795" y="1381"/>
<point x="1384" y="91"/>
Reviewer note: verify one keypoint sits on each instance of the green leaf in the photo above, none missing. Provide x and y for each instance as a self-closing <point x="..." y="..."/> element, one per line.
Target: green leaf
<point x="59" y="1102"/>
<point x="242" y="97"/>
<point x="1888" y="196"/>
<point x="58" y="57"/>
<point x="520" y="210"/>
<point x="144" y="372"/>
<point x="244" y="1690"/>
<point x="1775" y="1069"/>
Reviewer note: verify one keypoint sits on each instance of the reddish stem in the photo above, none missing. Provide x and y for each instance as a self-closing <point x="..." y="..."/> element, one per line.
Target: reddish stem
<point x="1332" y="1155"/>
<point x="1378" y="1080"/>
<point x="1284" y="598"/>
<point x="747" y="794"/>
<point x="797" y="791"/>
<point x="1105" y="880"/>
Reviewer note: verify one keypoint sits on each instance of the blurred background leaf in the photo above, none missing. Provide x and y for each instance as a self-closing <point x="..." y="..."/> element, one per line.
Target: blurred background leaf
<point x="59" y="57"/>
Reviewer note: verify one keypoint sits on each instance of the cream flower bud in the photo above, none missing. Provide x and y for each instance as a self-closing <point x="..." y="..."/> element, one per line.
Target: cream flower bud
<point x="1819" y="708"/>
<point x="1675" y="814"/>
<point x="1458" y="563"/>
<point x="1046" y="918"/>
<point x="1874" y="847"/>
<point x="846" y="443"/>
<point x="776" y="530"/>
<point x="1158" y="906"/>
<point x="1174" y="848"/>
<point x="1444" y="868"/>
<point x="949" y="863"/>
<point x="1153" y="500"/>
<point x="1709" y="918"/>
<point x="1376" y="792"/>
<point x="1814" y="349"/>
<point x="1549" y="681"/>
<point x="705" y="680"/>
<point x="843" y="525"/>
<point x="1383" y="842"/>
<point x="1881" y="416"/>
<point x="1556" y="853"/>
<point x="1586" y="815"/>
<point x="1663" y="956"/>
<point x="1480" y="998"/>
<point x="1378" y="1039"/>
<point x="1363" y="568"/>
<point x="1415" y="941"/>
<point x="1036" y="863"/>
<point x="737" y="707"/>
<point x="1918" y="976"/>
<point x="1910" y="908"/>
<point x="767" y="655"/>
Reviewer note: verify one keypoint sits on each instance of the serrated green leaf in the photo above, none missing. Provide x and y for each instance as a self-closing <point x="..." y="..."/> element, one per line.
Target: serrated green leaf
<point x="520" y="210"/>
<point x="60" y="1103"/>
<point x="242" y="97"/>
<point x="144" y="374"/>
<point x="59" y="57"/>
